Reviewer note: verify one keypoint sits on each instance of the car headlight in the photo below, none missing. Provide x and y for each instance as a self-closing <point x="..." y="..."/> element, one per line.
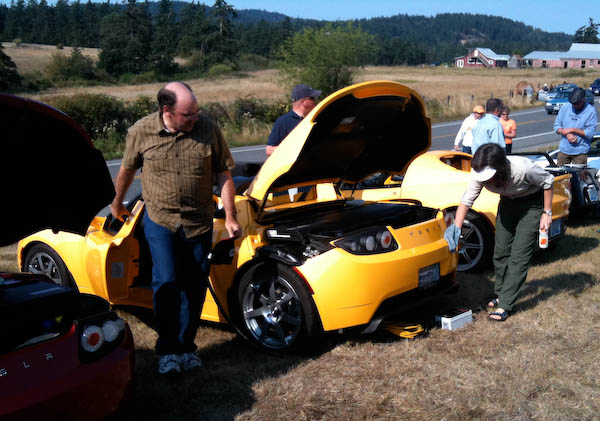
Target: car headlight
<point x="369" y="241"/>
<point x="548" y="104"/>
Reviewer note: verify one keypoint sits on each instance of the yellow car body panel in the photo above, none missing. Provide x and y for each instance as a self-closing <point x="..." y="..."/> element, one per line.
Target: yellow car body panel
<point x="370" y="280"/>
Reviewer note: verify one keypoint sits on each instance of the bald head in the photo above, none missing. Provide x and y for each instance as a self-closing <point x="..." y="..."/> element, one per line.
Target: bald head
<point x="173" y="92"/>
<point x="179" y="106"/>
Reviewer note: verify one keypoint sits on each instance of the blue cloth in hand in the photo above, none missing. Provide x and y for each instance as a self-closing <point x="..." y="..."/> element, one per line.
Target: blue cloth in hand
<point x="452" y="236"/>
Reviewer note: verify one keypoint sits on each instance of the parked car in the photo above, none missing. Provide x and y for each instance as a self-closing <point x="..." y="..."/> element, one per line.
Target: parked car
<point x="553" y="105"/>
<point x="585" y="182"/>
<point x="439" y="179"/>
<point x="595" y="87"/>
<point x="63" y="354"/>
<point x="546" y="96"/>
<point x="309" y="261"/>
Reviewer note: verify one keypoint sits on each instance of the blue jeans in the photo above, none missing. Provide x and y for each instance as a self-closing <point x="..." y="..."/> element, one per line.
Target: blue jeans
<point x="466" y="149"/>
<point x="179" y="278"/>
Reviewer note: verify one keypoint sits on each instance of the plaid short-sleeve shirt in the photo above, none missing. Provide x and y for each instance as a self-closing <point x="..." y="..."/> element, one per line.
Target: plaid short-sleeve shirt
<point x="177" y="171"/>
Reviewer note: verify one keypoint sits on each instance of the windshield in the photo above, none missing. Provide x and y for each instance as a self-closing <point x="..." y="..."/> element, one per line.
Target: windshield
<point x="564" y="94"/>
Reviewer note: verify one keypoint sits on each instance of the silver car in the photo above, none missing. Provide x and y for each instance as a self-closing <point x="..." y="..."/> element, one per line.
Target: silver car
<point x="548" y="95"/>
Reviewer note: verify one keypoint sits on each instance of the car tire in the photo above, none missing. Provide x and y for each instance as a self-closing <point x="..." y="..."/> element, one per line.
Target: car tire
<point x="476" y="246"/>
<point x="42" y="259"/>
<point x="276" y="311"/>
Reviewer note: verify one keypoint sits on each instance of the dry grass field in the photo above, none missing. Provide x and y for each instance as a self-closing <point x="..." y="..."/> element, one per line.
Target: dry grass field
<point x="542" y="363"/>
<point x="31" y="58"/>
<point x="457" y="90"/>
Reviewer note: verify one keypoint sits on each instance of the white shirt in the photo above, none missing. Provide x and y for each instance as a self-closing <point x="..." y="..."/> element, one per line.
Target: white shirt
<point x="525" y="178"/>
<point x="465" y="133"/>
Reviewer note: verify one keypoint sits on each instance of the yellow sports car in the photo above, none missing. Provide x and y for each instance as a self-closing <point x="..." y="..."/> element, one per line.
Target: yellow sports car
<point x="310" y="260"/>
<point x="438" y="179"/>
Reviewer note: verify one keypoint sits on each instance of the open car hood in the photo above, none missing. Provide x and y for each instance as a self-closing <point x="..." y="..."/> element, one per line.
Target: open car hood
<point x="52" y="176"/>
<point x="376" y="126"/>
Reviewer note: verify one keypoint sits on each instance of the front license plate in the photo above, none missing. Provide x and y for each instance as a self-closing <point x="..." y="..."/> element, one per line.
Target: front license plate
<point x="429" y="276"/>
<point x="555" y="228"/>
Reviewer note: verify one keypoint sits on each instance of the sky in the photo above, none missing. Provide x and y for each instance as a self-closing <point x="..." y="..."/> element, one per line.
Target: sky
<point x="549" y="15"/>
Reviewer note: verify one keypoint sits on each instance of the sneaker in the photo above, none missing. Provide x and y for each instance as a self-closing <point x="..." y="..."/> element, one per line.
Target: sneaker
<point x="168" y="363"/>
<point x="190" y="361"/>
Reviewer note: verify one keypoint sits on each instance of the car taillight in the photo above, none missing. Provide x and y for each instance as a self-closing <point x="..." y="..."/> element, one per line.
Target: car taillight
<point x="92" y="338"/>
<point x="98" y="335"/>
<point x="370" y="241"/>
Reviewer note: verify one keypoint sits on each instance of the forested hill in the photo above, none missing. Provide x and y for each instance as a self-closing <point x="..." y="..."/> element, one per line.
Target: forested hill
<point x="443" y="36"/>
<point x="401" y="39"/>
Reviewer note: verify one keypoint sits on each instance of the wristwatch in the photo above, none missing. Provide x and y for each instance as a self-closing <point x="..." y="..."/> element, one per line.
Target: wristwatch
<point x="548" y="212"/>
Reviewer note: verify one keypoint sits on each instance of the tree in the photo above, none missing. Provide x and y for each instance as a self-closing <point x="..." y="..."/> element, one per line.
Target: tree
<point x="165" y="39"/>
<point x="125" y="38"/>
<point x="326" y="58"/>
<point x="223" y="43"/>
<point x="588" y="34"/>
<point x="195" y="26"/>
<point x="10" y="80"/>
<point x="75" y="67"/>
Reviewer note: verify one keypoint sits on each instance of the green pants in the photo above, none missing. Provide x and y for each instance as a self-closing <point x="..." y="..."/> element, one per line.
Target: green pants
<point x="517" y="225"/>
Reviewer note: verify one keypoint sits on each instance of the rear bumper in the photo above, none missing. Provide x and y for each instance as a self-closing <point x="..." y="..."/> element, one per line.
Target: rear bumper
<point x="59" y="387"/>
<point x="410" y="300"/>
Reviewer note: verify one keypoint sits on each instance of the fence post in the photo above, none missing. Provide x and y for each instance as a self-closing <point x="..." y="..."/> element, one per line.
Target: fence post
<point x="448" y="100"/>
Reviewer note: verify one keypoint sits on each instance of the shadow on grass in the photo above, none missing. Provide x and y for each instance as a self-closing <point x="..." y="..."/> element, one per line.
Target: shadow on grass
<point x="543" y="289"/>
<point x="219" y="390"/>
<point x="584" y="220"/>
<point x="569" y="246"/>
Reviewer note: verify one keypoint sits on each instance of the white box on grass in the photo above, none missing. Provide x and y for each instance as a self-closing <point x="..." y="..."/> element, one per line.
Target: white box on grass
<point x="455" y="320"/>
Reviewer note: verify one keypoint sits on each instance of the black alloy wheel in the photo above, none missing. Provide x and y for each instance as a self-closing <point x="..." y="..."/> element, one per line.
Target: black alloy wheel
<point x="276" y="311"/>
<point x="42" y="259"/>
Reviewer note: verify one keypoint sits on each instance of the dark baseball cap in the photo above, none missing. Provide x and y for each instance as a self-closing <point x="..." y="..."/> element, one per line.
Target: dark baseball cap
<point x="576" y="95"/>
<point x="303" y="91"/>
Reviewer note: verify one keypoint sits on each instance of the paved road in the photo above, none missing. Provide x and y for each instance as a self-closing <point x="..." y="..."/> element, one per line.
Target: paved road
<point x="534" y="129"/>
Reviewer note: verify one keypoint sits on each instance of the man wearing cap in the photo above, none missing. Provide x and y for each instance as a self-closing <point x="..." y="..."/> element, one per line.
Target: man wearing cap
<point x="465" y="133"/>
<point x="525" y="206"/>
<point x="304" y="99"/>
<point x="576" y="123"/>
<point x="489" y="129"/>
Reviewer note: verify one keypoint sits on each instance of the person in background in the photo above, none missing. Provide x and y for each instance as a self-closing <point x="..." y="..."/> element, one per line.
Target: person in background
<point x="489" y="129"/>
<point x="464" y="137"/>
<point x="525" y="206"/>
<point x="509" y="127"/>
<point x="576" y="123"/>
<point x="304" y="99"/>
<point x="180" y="152"/>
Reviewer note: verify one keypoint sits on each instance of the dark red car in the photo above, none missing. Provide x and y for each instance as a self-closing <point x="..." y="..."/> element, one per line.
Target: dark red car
<point x="63" y="355"/>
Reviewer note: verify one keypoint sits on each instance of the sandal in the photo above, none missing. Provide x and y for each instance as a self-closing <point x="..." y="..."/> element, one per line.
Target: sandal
<point x="502" y="314"/>
<point x="493" y="303"/>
